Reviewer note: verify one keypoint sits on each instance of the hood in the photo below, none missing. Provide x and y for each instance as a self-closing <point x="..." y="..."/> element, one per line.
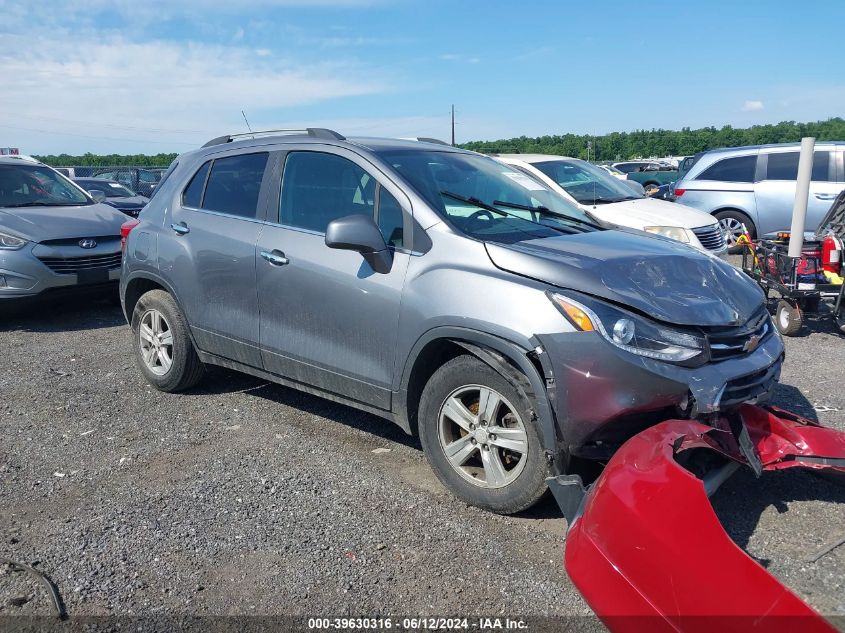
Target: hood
<point x="38" y="224"/>
<point x="129" y="202"/>
<point x="656" y="276"/>
<point x="651" y="212"/>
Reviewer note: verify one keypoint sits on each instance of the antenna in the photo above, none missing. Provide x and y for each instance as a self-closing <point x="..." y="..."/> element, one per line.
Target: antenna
<point x="453" y="125"/>
<point x="245" y="121"/>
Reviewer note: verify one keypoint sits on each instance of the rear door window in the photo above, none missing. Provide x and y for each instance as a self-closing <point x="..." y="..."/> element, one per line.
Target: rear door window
<point x="234" y="184"/>
<point x="784" y="166"/>
<point x="737" y="169"/>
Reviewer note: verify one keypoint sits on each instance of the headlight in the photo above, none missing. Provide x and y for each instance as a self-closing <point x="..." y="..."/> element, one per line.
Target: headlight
<point x="672" y="232"/>
<point x="630" y="331"/>
<point x="10" y="242"/>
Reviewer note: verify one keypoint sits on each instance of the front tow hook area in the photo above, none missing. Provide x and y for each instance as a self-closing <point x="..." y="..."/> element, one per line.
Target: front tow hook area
<point x="645" y="547"/>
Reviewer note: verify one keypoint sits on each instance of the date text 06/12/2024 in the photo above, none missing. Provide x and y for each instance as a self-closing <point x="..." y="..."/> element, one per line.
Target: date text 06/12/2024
<point x="417" y="623"/>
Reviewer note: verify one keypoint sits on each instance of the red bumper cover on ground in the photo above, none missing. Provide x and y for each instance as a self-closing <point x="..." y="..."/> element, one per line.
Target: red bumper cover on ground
<point x="646" y="549"/>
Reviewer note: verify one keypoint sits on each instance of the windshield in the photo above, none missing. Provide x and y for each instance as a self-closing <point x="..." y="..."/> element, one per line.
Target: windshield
<point x="463" y="187"/>
<point x="34" y="185"/>
<point x="585" y="182"/>
<point x="108" y="187"/>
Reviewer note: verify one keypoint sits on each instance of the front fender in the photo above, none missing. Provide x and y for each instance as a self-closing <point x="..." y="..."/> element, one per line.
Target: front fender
<point x="498" y="353"/>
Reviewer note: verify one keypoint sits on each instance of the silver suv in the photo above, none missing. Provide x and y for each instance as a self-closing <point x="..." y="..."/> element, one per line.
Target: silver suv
<point x="443" y="290"/>
<point x="755" y="186"/>
<point x="53" y="234"/>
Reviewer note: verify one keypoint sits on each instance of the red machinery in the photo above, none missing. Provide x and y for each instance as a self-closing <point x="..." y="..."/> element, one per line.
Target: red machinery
<point x="806" y="285"/>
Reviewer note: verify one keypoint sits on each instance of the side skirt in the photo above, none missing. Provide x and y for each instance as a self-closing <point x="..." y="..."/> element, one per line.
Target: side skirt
<point x="212" y="359"/>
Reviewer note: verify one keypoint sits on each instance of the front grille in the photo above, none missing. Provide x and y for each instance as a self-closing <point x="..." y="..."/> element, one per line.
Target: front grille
<point x="69" y="265"/>
<point x="750" y="387"/>
<point x="729" y="342"/>
<point x="711" y="237"/>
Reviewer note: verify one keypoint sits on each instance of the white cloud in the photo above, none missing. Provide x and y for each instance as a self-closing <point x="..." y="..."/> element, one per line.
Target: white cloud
<point x="453" y="57"/>
<point x="179" y="89"/>
<point x="752" y="106"/>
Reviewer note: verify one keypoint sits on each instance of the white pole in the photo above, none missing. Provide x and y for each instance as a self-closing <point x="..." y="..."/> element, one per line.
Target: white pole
<point x="802" y="194"/>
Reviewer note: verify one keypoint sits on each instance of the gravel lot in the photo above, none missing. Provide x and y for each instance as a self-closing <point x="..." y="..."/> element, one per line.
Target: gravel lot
<point x="243" y="497"/>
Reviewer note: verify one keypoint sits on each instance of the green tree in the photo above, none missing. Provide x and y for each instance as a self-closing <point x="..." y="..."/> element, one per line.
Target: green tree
<point x="645" y="143"/>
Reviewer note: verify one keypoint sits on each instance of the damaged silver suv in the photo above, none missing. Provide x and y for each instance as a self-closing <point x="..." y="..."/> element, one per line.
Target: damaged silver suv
<point x="435" y="287"/>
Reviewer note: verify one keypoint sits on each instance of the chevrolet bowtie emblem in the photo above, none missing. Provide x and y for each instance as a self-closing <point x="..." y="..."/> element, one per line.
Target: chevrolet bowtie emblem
<point x="751" y="344"/>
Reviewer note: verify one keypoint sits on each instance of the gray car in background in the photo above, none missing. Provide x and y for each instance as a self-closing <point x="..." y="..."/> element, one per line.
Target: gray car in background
<point x="438" y="288"/>
<point x="53" y="234"/>
<point x="755" y="186"/>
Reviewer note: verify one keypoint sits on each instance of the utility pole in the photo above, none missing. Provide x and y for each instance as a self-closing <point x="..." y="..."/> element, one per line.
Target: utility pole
<point x="453" y="125"/>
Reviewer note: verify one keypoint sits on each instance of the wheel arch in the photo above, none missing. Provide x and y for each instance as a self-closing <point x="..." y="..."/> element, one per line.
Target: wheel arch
<point x="742" y="212"/>
<point x="526" y="367"/>
<point x="138" y="284"/>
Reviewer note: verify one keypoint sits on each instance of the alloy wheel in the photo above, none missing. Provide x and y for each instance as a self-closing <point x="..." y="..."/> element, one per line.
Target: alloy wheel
<point x="156" y="340"/>
<point x="482" y="436"/>
<point x="732" y="229"/>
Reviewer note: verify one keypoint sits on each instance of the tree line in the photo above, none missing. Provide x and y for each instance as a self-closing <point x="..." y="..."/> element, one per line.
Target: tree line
<point x="657" y="143"/>
<point x="613" y="146"/>
<point x="107" y="160"/>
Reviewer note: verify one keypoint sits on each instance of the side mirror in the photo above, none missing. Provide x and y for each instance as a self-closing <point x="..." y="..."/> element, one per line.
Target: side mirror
<point x="97" y="195"/>
<point x="637" y="187"/>
<point x="360" y="233"/>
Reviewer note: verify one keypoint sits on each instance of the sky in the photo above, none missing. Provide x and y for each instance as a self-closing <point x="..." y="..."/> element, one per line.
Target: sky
<point x="150" y="76"/>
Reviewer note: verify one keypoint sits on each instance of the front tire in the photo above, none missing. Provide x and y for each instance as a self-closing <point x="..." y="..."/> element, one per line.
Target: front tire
<point x="788" y="319"/>
<point x="731" y="223"/>
<point x="479" y="433"/>
<point x="163" y="347"/>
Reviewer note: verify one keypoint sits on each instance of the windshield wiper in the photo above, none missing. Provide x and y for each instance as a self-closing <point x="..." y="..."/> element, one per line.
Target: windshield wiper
<point x="489" y="207"/>
<point x="547" y="212"/>
<point x="43" y="204"/>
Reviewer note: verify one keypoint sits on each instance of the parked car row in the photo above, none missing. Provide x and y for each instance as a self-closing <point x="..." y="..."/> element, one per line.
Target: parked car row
<point x="139" y="180"/>
<point x="616" y="202"/>
<point x="754" y="187"/>
<point x="473" y="300"/>
<point x="115" y="194"/>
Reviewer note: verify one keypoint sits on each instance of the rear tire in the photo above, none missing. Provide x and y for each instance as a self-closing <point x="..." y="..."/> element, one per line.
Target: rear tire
<point x="487" y="424"/>
<point x="788" y="319"/>
<point x="731" y="222"/>
<point x="162" y="344"/>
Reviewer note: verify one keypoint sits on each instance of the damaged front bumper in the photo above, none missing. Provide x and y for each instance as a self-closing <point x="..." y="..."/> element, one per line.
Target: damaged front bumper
<point x="645" y="547"/>
<point x="602" y="395"/>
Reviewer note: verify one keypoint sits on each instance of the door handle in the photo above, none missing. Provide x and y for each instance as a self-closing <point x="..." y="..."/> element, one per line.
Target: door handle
<point x="825" y="196"/>
<point x="181" y="228"/>
<point x="275" y="257"/>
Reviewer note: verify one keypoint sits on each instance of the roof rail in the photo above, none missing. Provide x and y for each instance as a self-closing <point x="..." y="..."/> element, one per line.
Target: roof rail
<point x="425" y="139"/>
<point x="314" y="132"/>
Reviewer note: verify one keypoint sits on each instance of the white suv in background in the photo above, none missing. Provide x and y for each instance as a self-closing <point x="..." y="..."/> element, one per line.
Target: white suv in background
<point x="612" y="200"/>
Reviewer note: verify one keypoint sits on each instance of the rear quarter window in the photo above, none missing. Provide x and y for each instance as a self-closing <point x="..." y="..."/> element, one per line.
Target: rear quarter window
<point x="192" y="196"/>
<point x="737" y="169"/>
